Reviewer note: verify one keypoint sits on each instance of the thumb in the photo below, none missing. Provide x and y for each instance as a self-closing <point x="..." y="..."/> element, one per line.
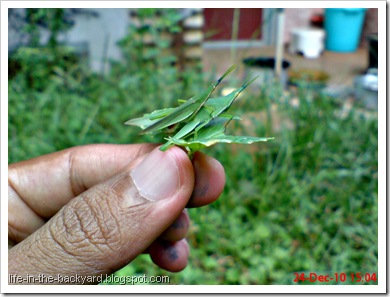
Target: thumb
<point x="109" y="225"/>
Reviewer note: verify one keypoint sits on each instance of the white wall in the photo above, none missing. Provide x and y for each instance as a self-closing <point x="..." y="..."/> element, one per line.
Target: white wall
<point x="100" y="33"/>
<point x="97" y="34"/>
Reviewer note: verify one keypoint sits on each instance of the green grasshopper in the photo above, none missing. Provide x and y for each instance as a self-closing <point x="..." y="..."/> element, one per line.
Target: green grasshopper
<point x="164" y="118"/>
<point x="213" y="108"/>
<point x="201" y="120"/>
<point x="212" y="133"/>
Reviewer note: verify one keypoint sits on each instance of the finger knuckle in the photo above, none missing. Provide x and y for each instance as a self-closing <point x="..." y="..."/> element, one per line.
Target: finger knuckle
<point x="89" y="226"/>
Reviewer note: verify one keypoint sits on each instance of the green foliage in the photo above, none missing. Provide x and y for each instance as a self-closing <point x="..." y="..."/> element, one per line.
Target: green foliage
<point x="36" y="65"/>
<point x="305" y="202"/>
<point x="37" y="62"/>
<point x="52" y="19"/>
<point x="148" y="63"/>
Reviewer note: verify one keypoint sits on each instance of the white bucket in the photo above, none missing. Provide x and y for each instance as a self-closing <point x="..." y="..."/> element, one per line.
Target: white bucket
<point x="308" y="41"/>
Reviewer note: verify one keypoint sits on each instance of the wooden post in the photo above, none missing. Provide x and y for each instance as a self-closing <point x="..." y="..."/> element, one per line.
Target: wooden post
<point x="279" y="43"/>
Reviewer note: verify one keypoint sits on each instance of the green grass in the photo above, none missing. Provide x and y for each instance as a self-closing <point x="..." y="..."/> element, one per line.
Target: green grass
<point x="304" y="202"/>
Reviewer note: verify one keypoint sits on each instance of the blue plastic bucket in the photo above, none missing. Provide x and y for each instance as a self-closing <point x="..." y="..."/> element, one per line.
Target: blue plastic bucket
<point x="343" y="28"/>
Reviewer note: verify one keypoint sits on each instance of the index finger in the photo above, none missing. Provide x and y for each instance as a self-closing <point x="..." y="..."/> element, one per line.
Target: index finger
<point x="48" y="182"/>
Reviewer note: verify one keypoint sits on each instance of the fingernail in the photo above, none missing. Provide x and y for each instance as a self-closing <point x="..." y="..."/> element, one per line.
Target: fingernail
<point x="157" y="176"/>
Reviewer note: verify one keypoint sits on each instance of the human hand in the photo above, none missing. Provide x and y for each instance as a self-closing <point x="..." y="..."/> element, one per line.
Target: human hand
<point x="90" y="210"/>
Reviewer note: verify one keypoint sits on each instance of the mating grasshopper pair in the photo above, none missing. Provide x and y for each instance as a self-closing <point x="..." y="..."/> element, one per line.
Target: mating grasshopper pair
<point x="200" y="121"/>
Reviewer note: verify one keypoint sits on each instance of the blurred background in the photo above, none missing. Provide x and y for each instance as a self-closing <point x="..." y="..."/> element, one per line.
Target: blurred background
<point x="306" y="201"/>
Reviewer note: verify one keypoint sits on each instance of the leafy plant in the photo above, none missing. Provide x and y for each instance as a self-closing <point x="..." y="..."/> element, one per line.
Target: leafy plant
<point x="36" y="62"/>
<point x="200" y="121"/>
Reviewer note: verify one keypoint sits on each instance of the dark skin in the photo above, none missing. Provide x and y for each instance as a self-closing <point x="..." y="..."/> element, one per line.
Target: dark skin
<point x="88" y="210"/>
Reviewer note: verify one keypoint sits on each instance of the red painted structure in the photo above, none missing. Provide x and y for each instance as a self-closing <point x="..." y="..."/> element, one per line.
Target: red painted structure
<point x="219" y="24"/>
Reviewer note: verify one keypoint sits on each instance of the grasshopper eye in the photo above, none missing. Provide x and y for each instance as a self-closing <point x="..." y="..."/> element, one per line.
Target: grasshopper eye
<point x="172" y="128"/>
